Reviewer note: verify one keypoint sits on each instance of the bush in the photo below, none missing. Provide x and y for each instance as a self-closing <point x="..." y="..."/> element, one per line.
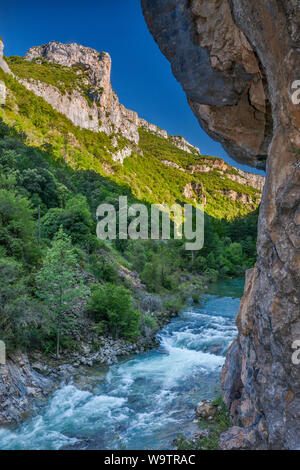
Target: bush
<point x="158" y="275"/>
<point x="174" y="306"/>
<point x="149" y="325"/>
<point x="149" y="322"/>
<point x="150" y="302"/>
<point x="20" y="315"/>
<point x="113" y="305"/>
<point x="103" y="268"/>
<point x="17" y="226"/>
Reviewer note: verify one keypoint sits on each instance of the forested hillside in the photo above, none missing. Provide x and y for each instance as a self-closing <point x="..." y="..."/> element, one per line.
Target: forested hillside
<point x="58" y="282"/>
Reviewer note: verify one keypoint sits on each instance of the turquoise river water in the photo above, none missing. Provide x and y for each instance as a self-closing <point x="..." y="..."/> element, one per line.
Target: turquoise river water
<point x="143" y="402"/>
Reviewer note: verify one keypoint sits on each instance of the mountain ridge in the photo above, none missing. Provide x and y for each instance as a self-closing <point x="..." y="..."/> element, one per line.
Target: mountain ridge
<point x="75" y="82"/>
<point x="109" y="112"/>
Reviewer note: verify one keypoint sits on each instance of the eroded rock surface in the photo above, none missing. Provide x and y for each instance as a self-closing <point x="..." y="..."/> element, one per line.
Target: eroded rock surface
<point x="101" y="110"/>
<point x="237" y="61"/>
<point x="219" y="71"/>
<point x="3" y="64"/>
<point x="20" y="388"/>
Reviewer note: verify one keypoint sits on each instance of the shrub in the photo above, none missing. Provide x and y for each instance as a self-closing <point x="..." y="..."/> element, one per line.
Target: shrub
<point x="17" y="226"/>
<point x="149" y="325"/>
<point x="174" y="306"/>
<point x="149" y="322"/>
<point x="113" y="305"/>
<point x="150" y="302"/>
<point x="104" y="268"/>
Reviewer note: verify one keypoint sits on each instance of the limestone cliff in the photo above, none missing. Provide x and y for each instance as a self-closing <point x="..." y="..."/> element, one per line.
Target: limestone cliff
<point x="21" y="386"/>
<point x="75" y="81"/>
<point x="99" y="108"/>
<point x="102" y="112"/>
<point x="237" y="61"/>
<point x="3" y="64"/>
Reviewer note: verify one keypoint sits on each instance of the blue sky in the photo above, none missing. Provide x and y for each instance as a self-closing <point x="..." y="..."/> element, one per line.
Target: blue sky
<point x="141" y="75"/>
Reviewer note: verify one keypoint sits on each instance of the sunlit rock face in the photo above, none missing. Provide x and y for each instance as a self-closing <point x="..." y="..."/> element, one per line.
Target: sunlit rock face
<point x="101" y="111"/>
<point x="237" y="61"/>
<point x="3" y="64"/>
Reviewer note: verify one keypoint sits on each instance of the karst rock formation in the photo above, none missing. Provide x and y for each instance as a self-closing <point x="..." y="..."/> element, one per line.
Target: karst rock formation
<point x="239" y="62"/>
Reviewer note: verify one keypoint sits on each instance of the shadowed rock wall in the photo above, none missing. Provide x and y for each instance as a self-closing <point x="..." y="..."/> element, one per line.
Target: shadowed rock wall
<point x="237" y="61"/>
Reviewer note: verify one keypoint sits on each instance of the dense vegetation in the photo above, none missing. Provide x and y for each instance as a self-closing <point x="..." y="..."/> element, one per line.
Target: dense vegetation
<point x="66" y="79"/>
<point x="145" y="174"/>
<point x="54" y="272"/>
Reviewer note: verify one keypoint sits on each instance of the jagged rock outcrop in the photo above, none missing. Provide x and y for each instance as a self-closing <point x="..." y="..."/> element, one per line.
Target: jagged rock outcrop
<point x="172" y="165"/>
<point x="101" y="110"/>
<point x="206" y="165"/>
<point x="183" y="144"/>
<point x="195" y="191"/>
<point x="243" y="177"/>
<point x="3" y="64"/>
<point x="248" y="179"/>
<point x="219" y="71"/>
<point x="237" y="61"/>
<point x="245" y="199"/>
<point x="20" y="388"/>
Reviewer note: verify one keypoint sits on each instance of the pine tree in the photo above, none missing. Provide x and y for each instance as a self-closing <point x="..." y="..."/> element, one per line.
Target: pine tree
<point x="60" y="284"/>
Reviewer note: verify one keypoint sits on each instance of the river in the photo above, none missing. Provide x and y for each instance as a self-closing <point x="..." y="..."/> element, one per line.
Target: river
<point x="146" y="401"/>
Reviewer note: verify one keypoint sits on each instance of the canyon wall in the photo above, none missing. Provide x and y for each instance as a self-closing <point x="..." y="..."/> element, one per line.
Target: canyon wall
<point x="237" y="61"/>
<point x="98" y="108"/>
<point x="3" y="64"/>
<point x="76" y="81"/>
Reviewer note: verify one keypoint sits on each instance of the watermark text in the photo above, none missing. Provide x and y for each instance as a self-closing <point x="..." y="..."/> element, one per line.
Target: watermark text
<point x="135" y="223"/>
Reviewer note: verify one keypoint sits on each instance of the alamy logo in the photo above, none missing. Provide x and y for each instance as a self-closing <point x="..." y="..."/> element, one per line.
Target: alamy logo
<point x="2" y="92"/>
<point x="2" y="353"/>
<point x="296" y="94"/>
<point x="296" y="354"/>
<point x="134" y="222"/>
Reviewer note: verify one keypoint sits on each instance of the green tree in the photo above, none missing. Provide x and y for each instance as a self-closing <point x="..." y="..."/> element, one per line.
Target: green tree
<point x="41" y="182"/>
<point x="76" y="220"/>
<point x="136" y="254"/>
<point x="60" y="284"/>
<point x="51" y="222"/>
<point x="19" y="314"/>
<point x="17" y="226"/>
<point x="151" y="277"/>
<point x="112" y="305"/>
<point x="161" y="271"/>
<point x="104" y="268"/>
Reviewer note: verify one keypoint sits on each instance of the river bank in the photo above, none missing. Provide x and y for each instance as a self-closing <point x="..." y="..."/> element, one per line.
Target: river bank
<point x="27" y="380"/>
<point x="143" y="402"/>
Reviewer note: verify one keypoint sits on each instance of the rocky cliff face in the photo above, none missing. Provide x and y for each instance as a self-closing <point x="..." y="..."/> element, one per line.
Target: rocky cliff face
<point x="3" y="64"/>
<point x="242" y="177"/>
<point x="20" y="389"/>
<point x="101" y="110"/>
<point x="219" y="70"/>
<point x="237" y="61"/>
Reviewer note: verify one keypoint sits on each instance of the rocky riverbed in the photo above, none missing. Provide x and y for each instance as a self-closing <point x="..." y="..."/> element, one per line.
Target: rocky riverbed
<point x="26" y="381"/>
<point x="141" y="402"/>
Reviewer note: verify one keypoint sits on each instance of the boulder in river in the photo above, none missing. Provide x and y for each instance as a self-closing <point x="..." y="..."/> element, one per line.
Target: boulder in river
<point x="206" y="410"/>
